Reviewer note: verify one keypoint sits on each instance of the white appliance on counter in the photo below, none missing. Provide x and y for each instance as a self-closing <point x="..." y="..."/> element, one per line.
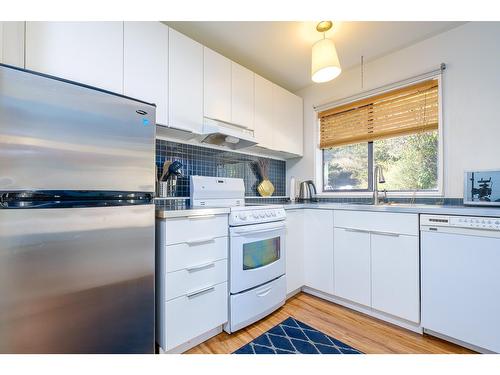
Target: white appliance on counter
<point x="257" y="281"/>
<point x="461" y="279"/>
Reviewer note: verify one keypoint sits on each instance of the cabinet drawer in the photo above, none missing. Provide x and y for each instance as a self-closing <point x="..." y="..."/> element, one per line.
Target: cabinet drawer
<point x="194" y="278"/>
<point x="194" y="229"/>
<point x="252" y="305"/>
<point x="377" y="221"/>
<point x="190" y="316"/>
<point x="187" y="255"/>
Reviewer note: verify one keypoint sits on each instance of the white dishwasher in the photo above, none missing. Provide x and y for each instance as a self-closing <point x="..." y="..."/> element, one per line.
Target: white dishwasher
<point x="460" y="269"/>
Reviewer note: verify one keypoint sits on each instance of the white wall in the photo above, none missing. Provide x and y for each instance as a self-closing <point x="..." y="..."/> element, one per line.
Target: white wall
<point x="471" y="97"/>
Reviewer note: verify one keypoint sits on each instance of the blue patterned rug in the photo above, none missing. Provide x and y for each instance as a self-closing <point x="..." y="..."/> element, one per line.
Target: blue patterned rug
<point x="294" y="337"/>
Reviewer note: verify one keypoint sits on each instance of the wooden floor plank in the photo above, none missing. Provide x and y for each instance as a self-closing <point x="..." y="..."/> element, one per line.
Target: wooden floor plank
<point x="367" y="334"/>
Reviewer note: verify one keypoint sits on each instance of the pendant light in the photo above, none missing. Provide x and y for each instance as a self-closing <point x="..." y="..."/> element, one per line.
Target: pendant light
<point x="325" y="62"/>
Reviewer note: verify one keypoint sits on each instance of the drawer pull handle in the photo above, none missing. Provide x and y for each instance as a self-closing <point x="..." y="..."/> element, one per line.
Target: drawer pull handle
<point x="200" y="292"/>
<point x="201" y="267"/>
<point x="196" y="217"/>
<point x="265" y="292"/>
<point x="200" y="241"/>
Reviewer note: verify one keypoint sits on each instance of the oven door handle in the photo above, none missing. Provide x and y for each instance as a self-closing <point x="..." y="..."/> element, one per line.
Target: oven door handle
<point x="263" y="230"/>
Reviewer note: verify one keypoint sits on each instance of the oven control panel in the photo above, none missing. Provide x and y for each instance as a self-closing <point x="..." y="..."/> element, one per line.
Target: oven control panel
<point x="255" y="215"/>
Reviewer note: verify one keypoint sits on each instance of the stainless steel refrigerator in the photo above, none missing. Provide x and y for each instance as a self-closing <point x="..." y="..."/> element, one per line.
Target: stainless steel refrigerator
<point x="76" y="218"/>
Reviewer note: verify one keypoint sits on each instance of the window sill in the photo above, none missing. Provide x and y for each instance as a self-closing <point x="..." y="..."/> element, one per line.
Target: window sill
<point x="353" y="194"/>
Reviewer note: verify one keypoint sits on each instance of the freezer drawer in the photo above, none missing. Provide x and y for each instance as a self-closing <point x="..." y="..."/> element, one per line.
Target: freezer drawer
<point x="56" y="135"/>
<point x="77" y="280"/>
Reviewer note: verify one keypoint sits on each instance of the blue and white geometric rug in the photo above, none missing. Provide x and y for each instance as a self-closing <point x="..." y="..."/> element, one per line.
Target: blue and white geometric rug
<point x="294" y="337"/>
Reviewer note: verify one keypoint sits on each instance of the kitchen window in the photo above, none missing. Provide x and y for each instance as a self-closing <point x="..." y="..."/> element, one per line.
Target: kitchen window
<point x="398" y="130"/>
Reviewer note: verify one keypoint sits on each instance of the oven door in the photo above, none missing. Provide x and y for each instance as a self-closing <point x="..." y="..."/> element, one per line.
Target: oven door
<point x="257" y="254"/>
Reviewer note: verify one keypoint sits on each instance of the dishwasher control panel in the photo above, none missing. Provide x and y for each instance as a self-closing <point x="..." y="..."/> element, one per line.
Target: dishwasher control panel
<point x="486" y="223"/>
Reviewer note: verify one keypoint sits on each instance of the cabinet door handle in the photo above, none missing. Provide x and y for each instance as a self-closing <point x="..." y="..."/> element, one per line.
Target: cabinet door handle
<point x="200" y="267"/>
<point x="386" y="234"/>
<point x="391" y="234"/>
<point x="200" y="241"/>
<point x="200" y="292"/>
<point x="356" y="230"/>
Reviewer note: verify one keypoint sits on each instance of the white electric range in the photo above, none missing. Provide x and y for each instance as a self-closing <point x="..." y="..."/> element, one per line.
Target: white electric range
<point x="257" y="236"/>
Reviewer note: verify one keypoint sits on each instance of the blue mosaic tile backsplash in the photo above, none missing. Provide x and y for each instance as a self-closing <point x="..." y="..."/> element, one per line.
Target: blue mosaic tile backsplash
<point x="204" y="161"/>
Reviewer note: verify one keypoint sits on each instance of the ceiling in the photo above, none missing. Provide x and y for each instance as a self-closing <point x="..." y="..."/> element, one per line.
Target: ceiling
<point x="281" y="51"/>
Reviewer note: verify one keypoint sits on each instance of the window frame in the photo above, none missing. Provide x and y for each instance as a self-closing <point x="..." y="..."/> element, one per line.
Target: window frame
<point x="370" y="174"/>
<point x="319" y="156"/>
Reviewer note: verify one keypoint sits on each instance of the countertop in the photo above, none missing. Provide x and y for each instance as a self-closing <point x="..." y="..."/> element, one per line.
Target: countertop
<point x="401" y="207"/>
<point x="182" y="210"/>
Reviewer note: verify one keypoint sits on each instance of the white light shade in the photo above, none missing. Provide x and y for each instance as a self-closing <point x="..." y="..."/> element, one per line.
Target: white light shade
<point x="325" y="62"/>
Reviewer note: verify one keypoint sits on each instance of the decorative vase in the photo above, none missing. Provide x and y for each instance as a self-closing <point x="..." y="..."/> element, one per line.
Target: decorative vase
<point x="265" y="188"/>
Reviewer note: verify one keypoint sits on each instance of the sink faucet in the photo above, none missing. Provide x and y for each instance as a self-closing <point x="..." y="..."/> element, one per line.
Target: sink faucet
<point x="378" y="178"/>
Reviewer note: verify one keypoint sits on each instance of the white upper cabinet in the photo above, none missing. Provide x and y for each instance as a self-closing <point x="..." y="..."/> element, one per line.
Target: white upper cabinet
<point x="242" y="96"/>
<point x="12" y="43"/>
<point x="318" y="250"/>
<point x="296" y="127"/>
<point x="279" y="117"/>
<point x="185" y="88"/>
<point x="86" y="52"/>
<point x="151" y="62"/>
<point x="264" y="111"/>
<point x="145" y="64"/>
<point x="217" y="86"/>
<point x="287" y="121"/>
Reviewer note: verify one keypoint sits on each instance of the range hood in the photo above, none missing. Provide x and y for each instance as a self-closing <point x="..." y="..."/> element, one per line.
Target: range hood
<point x="221" y="133"/>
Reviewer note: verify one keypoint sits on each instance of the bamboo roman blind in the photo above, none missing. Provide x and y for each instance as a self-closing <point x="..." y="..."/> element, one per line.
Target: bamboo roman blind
<point x="403" y="111"/>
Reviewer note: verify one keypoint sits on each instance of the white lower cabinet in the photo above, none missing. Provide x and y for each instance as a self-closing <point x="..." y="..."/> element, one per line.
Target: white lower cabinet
<point x="395" y="275"/>
<point x="352" y="265"/>
<point x="318" y="250"/>
<point x="294" y="255"/>
<point x="192" y="315"/>
<point x="376" y="257"/>
<point x="191" y="279"/>
<point x="196" y="230"/>
<point x="188" y="280"/>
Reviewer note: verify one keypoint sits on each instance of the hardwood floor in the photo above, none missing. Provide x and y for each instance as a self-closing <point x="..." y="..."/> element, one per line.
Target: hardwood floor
<point x="367" y="334"/>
